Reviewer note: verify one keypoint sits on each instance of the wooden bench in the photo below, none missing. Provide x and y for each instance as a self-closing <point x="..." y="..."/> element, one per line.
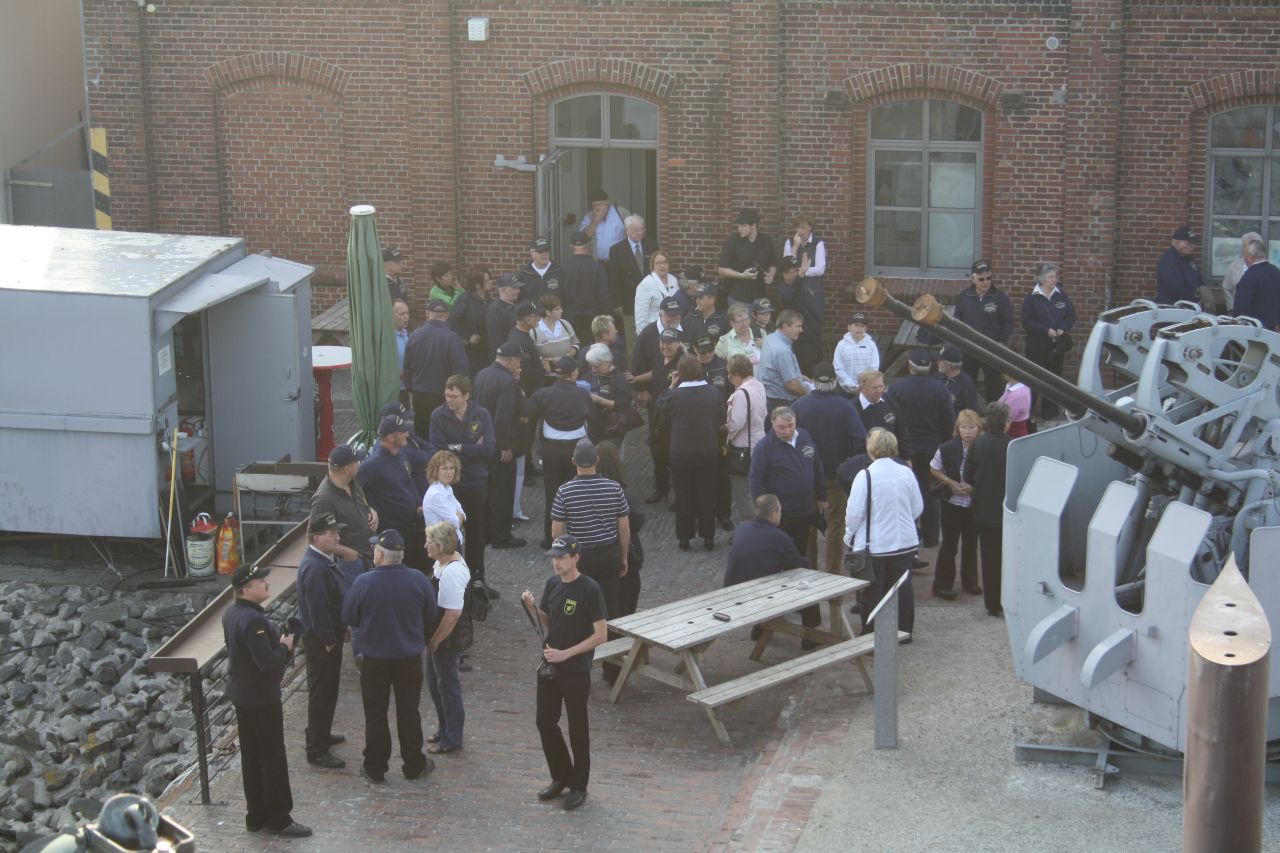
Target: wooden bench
<point x="738" y="688"/>
<point x="614" y="649"/>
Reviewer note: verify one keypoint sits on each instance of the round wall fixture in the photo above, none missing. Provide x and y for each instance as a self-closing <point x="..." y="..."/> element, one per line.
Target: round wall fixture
<point x="1052" y="43"/>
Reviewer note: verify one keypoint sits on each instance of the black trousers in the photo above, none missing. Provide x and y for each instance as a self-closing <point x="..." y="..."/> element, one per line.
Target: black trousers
<point x="991" y="543"/>
<point x="992" y="380"/>
<point x="695" y="489"/>
<point x="475" y="503"/>
<point x="724" y="488"/>
<point x="415" y="545"/>
<point x="887" y="571"/>
<point x="602" y="564"/>
<point x="502" y="498"/>
<point x="570" y="690"/>
<point x="1051" y="362"/>
<point x="264" y="767"/>
<point x="929" y="523"/>
<point x="629" y="591"/>
<point x="557" y="469"/>
<point x="424" y="403"/>
<point x="324" y="672"/>
<point x="797" y="527"/>
<point x="379" y="678"/>
<point x="958" y="534"/>
<point x="660" y="450"/>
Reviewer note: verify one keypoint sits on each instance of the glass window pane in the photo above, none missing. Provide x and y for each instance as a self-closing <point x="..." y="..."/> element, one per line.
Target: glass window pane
<point x="952" y="122"/>
<point x="899" y="120"/>
<point x="953" y="179"/>
<point x="1246" y="128"/>
<point x="1224" y="242"/>
<point x="897" y="238"/>
<point x="631" y="118"/>
<point x="1237" y="185"/>
<point x="951" y="240"/>
<point x="1275" y="180"/>
<point x="1273" y="245"/>
<point x="579" y="118"/>
<point x="897" y="179"/>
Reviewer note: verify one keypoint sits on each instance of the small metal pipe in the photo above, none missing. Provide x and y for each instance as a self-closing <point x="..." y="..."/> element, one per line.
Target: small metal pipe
<point x="1223" y="775"/>
<point x="928" y="311"/>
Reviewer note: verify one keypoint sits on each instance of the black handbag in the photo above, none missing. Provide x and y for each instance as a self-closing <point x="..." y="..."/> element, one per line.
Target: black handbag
<point x="739" y="458"/>
<point x="859" y="562"/>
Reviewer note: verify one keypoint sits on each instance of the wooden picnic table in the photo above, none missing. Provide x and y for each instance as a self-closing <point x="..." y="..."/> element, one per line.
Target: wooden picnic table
<point x="688" y="627"/>
<point x="333" y="326"/>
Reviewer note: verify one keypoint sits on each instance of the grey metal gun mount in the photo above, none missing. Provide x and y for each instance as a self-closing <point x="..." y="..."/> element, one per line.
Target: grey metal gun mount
<point x="1116" y="522"/>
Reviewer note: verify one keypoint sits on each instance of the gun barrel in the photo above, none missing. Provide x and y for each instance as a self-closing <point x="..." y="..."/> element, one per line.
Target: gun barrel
<point x="928" y="311"/>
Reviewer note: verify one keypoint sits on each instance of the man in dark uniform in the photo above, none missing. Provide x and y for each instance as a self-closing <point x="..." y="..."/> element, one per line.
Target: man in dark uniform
<point x="386" y="480"/>
<point x="747" y="259"/>
<point x="877" y="410"/>
<point x="319" y="588"/>
<point x="541" y="275"/>
<point x="256" y="655"/>
<point x="433" y="354"/>
<point x="705" y="319"/>
<point x="584" y="286"/>
<point x="716" y="372"/>
<point x="533" y="376"/>
<point x="985" y="308"/>
<point x="1177" y="276"/>
<point x="628" y="265"/>
<point x="959" y="385"/>
<point x="928" y="420"/>
<point x="563" y="407"/>
<point x="341" y="495"/>
<point x="762" y="317"/>
<point x="497" y="389"/>
<point x="652" y="377"/>
<point x="392" y="267"/>
<point x="760" y="548"/>
<point x="389" y="610"/>
<point x="573" y="612"/>
<point x="647" y="353"/>
<point x="500" y="316"/>
<point x="465" y="428"/>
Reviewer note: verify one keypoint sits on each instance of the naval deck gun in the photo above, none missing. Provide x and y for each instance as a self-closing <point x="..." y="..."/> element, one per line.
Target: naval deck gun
<point x="1117" y="521"/>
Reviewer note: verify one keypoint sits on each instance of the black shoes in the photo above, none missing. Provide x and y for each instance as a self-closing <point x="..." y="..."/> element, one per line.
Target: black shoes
<point x="293" y="830"/>
<point x="544" y="544"/>
<point x="464" y="665"/>
<point x="684" y="544"/>
<point x="334" y="740"/>
<point x="513" y="542"/>
<point x="326" y="759"/>
<point x="709" y="543"/>
<point x="999" y="614"/>
<point x="375" y="778"/>
<point x="944" y="594"/>
<point x="552" y="791"/>
<point x="573" y="799"/>
<point x="726" y="524"/>
<point x="424" y="770"/>
<point x="491" y="592"/>
<point x="655" y="497"/>
<point x="918" y="563"/>
<point x="973" y="589"/>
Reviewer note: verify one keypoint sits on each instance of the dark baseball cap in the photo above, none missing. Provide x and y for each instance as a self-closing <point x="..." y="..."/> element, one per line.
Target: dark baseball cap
<point x="322" y="522"/>
<point x="1185" y="233"/>
<point x="788" y="263"/>
<point x="509" y="280"/>
<point x="342" y="456"/>
<point x="584" y="453"/>
<point x="579" y="238"/>
<point x="509" y="350"/>
<point x="706" y="288"/>
<point x="566" y="364"/>
<point x="824" y="371"/>
<point x="704" y="344"/>
<point x="980" y="265"/>
<point x="437" y="305"/>
<point x="390" y="540"/>
<point x="670" y="305"/>
<point x="858" y="317"/>
<point x="242" y="576"/>
<point x="951" y="353"/>
<point x="524" y="309"/>
<point x="540" y="244"/>
<point x="669" y="335"/>
<point x="395" y="407"/>
<point x="391" y="424"/>
<point x="748" y="216"/>
<point x="762" y="306"/>
<point x="393" y="254"/>
<point x="563" y="546"/>
<point x="920" y="357"/>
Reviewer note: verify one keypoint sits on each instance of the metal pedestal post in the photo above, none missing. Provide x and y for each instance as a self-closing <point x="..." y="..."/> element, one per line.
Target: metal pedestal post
<point x="886" y="672"/>
<point x="202" y="735"/>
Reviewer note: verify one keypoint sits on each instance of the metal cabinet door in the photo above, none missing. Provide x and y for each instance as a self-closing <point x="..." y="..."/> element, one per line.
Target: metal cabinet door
<point x="259" y="375"/>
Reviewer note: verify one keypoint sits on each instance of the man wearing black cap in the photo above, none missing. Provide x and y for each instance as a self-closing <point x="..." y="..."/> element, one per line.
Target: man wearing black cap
<point x="747" y="259"/>
<point x="647" y="354"/>
<point x="716" y="372"/>
<point x="500" y="316"/>
<point x="341" y="495"/>
<point x="392" y="267"/>
<point x="928" y="420"/>
<point x="563" y="407"/>
<point x="433" y="354"/>
<point x="584" y="285"/>
<point x="762" y="317"/>
<point x="960" y="387"/>
<point x="497" y="389"/>
<point x="1177" y="276"/>
<point x="986" y="309"/>
<point x="533" y="375"/>
<point x="652" y="375"/>
<point x="386" y="479"/>
<point x="705" y="319"/>
<point x="572" y="610"/>
<point x="541" y="275"/>
<point x="319" y="590"/>
<point x="256" y="655"/>
<point x="465" y="428"/>
<point x="389" y="610"/>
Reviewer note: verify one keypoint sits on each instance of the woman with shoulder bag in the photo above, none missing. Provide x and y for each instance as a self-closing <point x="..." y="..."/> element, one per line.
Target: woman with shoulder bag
<point x="746" y="413"/>
<point x="451" y="577"/>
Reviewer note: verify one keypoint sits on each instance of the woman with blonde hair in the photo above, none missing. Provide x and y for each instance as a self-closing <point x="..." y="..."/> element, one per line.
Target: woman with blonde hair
<point x="952" y="471"/>
<point x="450" y="577"/>
<point x="742" y="338"/>
<point x="439" y="503"/>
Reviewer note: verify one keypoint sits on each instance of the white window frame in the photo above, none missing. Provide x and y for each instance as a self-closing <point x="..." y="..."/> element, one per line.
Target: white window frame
<point x="604" y="140"/>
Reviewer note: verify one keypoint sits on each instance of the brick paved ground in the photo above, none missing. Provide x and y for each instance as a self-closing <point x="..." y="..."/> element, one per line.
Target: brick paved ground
<point x="660" y="780"/>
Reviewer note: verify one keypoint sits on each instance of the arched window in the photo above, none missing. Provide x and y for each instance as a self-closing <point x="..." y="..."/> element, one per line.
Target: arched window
<point x="924" y="188"/>
<point x="610" y="121"/>
<point x="1244" y="182"/>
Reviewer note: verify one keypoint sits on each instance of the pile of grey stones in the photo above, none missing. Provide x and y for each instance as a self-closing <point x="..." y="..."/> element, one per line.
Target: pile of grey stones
<point x="81" y="718"/>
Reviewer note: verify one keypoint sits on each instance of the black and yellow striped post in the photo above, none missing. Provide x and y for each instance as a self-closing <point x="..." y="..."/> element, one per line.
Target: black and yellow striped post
<point x="101" y="179"/>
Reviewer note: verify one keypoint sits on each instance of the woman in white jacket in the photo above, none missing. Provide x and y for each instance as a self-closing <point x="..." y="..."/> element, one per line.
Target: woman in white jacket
<point x="653" y="288"/>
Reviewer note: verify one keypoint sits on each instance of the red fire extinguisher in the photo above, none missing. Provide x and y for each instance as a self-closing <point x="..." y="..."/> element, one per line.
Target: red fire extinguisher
<point x="229" y="555"/>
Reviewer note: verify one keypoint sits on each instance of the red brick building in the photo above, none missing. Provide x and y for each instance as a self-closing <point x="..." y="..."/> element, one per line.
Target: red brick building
<point x="919" y="133"/>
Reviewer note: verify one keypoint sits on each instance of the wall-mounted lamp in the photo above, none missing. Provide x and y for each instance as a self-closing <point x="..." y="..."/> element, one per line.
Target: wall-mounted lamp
<point x="836" y="99"/>
<point x="477" y="29"/>
<point x="148" y="7"/>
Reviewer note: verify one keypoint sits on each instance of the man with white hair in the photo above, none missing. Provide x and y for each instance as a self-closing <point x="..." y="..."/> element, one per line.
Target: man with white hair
<point x="1258" y="294"/>
<point x="628" y="264"/>
<point x="1236" y="270"/>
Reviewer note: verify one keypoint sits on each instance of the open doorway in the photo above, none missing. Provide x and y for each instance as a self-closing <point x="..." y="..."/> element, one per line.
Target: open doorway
<point x="598" y="141"/>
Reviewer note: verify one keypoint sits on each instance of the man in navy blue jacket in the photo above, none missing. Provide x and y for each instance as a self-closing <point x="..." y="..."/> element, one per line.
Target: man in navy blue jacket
<point x="1177" y="276"/>
<point x="320" y="609"/>
<point x="786" y="463"/>
<point x="760" y="548"/>
<point x="1258" y="292"/>
<point x="388" y="485"/>
<point x="925" y="408"/>
<point x="390" y="610"/>
<point x="433" y="354"/>
<point x="987" y="310"/>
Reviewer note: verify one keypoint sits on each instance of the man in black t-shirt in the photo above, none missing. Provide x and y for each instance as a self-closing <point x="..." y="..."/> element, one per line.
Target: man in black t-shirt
<point x="747" y="260"/>
<point x="572" y="611"/>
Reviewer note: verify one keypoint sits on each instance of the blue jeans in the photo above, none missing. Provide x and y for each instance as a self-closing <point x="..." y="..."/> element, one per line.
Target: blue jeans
<point x="446" y="695"/>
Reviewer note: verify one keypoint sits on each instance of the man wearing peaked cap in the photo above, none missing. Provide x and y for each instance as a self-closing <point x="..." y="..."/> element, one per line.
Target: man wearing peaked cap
<point x="533" y="375"/>
<point x="433" y="354"/>
<point x="1178" y="276"/>
<point x="256" y="657"/>
<point x="388" y="482"/>
<point x="541" y="275"/>
<point x="855" y="353"/>
<point x="987" y="310"/>
<point x="960" y="388"/>
<point x="705" y="319"/>
<point x="584" y="285"/>
<point x="500" y="316"/>
<point x="320" y="589"/>
<point x="393" y="261"/>
<point x="340" y="494"/>
<point x="747" y="259"/>
<point x="928" y="421"/>
<point x="564" y="408"/>
<point x="497" y="389"/>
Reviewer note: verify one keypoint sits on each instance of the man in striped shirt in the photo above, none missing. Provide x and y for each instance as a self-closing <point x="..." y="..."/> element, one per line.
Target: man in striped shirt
<point x="594" y="510"/>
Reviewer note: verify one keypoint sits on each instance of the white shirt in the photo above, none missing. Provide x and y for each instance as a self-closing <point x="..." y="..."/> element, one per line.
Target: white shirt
<point x="453" y="578"/>
<point x="895" y="506"/>
<point x="853" y="357"/>
<point x="819" y="255"/>
<point x="439" y="504"/>
<point x="649" y="295"/>
<point x="610" y="231"/>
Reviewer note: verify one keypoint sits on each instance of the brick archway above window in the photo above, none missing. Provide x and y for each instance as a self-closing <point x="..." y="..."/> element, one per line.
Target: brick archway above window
<point x="644" y="79"/>
<point x="1236" y="86"/>
<point x="241" y="70"/>
<point x="894" y="82"/>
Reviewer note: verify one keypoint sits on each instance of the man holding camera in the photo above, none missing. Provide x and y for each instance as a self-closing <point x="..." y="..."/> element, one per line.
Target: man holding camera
<point x="573" y="613"/>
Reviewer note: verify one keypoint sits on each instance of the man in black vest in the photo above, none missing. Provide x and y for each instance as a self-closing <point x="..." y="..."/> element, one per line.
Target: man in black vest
<point x="497" y="389"/>
<point x="584" y="286"/>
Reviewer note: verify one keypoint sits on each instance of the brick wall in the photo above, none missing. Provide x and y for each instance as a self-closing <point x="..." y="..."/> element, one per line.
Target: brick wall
<point x="269" y="119"/>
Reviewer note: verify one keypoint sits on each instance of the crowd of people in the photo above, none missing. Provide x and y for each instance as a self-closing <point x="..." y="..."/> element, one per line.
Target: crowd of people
<point x="547" y="378"/>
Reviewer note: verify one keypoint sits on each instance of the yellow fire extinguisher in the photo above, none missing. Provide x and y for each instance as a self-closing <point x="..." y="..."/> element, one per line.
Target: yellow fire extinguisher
<point x="229" y="545"/>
